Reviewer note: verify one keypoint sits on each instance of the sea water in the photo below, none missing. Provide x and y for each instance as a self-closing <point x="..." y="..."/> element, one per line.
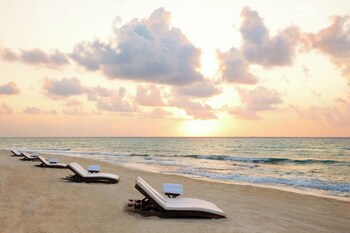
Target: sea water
<point x="317" y="165"/>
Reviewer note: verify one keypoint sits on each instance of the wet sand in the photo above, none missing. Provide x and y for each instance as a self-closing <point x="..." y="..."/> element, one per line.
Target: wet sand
<point x="34" y="199"/>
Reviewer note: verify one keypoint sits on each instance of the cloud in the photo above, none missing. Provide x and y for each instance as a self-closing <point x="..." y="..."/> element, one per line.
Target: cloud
<point x="149" y="96"/>
<point x="74" y="107"/>
<point x="159" y="113"/>
<point x="104" y="92"/>
<point x="75" y="111"/>
<point x="234" y="68"/>
<point x="260" y="48"/>
<point x="8" y="55"/>
<point x="148" y="50"/>
<point x="340" y="101"/>
<point x="244" y="113"/>
<point x="5" y="109"/>
<point x="96" y="92"/>
<point x="257" y="100"/>
<point x="253" y="29"/>
<point x="93" y="55"/>
<point x="306" y="71"/>
<point x="257" y="47"/>
<point x="73" y="103"/>
<point x="36" y="57"/>
<point x="9" y="88"/>
<point x="105" y="99"/>
<point x="63" y="88"/>
<point x="334" y="41"/>
<point x="203" y="89"/>
<point x="195" y="109"/>
<point x="116" y="103"/>
<point x="38" y="111"/>
<point x="260" y="99"/>
<point x="331" y="114"/>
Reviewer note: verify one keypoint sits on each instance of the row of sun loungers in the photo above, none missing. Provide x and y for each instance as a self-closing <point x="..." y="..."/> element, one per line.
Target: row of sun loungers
<point x="80" y="174"/>
<point x="153" y="202"/>
<point x="25" y="155"/>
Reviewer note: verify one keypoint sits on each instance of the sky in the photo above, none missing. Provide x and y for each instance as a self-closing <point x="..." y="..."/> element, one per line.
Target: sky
<point x="175" y="68"/>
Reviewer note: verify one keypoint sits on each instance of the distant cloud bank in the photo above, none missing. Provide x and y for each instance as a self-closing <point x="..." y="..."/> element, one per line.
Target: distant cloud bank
<point x="166" y="68"/>
<point x="255" y="101"/>
<point x="36" y="57"/>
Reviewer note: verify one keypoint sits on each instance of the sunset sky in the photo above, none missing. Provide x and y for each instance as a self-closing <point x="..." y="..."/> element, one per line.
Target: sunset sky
<point x="174" y="68"/>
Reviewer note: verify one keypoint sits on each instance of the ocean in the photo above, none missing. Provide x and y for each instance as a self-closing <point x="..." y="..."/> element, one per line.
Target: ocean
<point x="316" y="165"/>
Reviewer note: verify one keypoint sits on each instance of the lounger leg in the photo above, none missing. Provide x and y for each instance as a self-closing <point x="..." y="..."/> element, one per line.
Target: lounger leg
<point x="72" y="177"/>
<point x="140" y="205"/>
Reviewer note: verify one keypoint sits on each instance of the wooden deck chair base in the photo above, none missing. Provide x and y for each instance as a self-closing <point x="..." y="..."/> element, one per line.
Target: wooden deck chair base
<point x="43" y="165"/>
<point x="147" y="209"/>
<point x="79" y="179"/>
<point x="26" y="159"/>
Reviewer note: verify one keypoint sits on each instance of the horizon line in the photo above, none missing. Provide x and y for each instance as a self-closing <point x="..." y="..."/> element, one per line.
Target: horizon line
<point x="175" y="136"/>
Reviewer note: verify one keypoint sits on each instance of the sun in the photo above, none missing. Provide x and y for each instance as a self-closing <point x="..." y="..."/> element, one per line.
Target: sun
<point x="199" y="128"/>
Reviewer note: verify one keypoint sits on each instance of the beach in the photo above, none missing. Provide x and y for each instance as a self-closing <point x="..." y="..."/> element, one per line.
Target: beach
<point x="34" y="199"/>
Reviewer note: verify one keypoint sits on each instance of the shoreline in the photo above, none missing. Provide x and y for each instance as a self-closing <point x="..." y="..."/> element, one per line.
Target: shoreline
<point x="229" y="182"/>
<point x="44" y="202"/>
<point x="138" y="167"/>
<point x="279" y="188"/>
<point x="278" y="164"/>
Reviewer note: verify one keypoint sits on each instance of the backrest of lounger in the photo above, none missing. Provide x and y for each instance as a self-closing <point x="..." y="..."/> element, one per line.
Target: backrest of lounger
<point x="77" y="169"/>
<point x="16" y="152"/>
<point x="152" y="189"/>
<point x="152" y="193"/>
<point x="43" y="160"/>
<point x="25" y="154"/>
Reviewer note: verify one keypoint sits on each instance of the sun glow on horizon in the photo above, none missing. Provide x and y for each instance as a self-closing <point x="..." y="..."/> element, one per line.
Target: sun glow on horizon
<point x="198" y="128"/>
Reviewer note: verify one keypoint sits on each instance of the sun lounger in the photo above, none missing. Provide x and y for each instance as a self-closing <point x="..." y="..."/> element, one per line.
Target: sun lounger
<point x="46" y="163"/>
<point x="29" y="157"/>
<point x="81" y="175"/>
<point x="16" y="153"/>
<point x="155" y="203"/>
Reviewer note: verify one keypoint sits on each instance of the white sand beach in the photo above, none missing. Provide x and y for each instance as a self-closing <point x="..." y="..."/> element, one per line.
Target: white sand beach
<point x="34" y="199"/>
